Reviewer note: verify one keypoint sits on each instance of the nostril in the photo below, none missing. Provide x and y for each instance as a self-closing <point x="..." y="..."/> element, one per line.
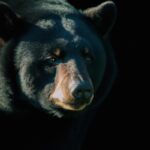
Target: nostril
<point x="82" y="93"/>
<point x="88" y="94"/>
<point x="78" y="93"/>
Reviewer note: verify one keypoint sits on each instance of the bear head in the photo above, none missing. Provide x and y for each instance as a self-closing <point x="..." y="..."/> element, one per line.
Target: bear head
<point x="57" y="54"/>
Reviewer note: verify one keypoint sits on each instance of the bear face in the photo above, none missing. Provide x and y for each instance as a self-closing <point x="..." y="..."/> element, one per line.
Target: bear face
<point x="62" y="64"/>
<point x="59" y="60"/>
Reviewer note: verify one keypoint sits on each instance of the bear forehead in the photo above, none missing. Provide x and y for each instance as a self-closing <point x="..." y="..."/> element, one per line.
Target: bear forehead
<point x="64" y="44"/>
<point x="49" y="29"/>
<point x="68" y="32"/>
<point x="67" y="24"/>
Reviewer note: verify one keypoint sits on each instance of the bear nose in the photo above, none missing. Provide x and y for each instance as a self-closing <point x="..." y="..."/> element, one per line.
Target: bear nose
<point x="83" y="91"/>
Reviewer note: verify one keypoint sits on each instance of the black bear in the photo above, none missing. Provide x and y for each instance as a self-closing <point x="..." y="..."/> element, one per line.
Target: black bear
<point x="55" y="58"/>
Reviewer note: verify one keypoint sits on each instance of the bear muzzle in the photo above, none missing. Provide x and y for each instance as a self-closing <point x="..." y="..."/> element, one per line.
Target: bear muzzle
<point x="73" y="91"/>
<point x="76" y="98"/>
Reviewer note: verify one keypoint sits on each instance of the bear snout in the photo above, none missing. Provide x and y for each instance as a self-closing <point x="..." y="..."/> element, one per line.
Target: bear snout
<point x="72" y="91"/>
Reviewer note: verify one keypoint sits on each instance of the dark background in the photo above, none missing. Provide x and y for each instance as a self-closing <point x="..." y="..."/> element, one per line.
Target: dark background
<point x="118" y="123"/>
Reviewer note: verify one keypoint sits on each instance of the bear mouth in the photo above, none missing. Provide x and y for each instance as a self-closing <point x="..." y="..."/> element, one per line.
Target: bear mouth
<point x="72" y="106"/>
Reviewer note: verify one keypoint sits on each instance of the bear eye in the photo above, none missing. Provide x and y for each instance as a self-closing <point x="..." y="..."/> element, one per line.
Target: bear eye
<point x="53" y="59"/>
<point x="88" y="58"/>
<point x="87" y="55"/>
<point x="50" y="61"/>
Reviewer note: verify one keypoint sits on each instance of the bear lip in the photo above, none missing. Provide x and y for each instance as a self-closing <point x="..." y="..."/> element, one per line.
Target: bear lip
<point x="69" y="106"/>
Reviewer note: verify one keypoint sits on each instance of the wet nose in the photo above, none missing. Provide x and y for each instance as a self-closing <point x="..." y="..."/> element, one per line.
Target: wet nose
<point x="83" y="91"/>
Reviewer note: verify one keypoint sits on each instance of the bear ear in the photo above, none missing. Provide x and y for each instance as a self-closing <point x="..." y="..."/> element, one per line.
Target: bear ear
<point x="8" y="22"/>
<point x="103" y="16"/>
